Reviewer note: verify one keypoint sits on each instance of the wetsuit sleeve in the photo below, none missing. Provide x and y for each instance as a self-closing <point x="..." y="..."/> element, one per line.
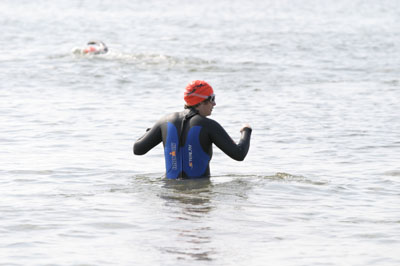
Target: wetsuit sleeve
<point x="223" y="141"/>
<point x="148" y="141"/>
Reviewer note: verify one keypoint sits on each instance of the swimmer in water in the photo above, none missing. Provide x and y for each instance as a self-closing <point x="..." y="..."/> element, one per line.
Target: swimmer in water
<point x="95" y="47"/>
<point x="188" y="136"/>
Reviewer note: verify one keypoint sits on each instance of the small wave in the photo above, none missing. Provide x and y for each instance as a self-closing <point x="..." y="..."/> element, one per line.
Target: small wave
<point x="149" y="60"/>
<point x="25" y="227"/>
<point x="30" y="172"/>
<point x="281" y="176"/>
<point x="393" y="173"/>
<point x="111" y="225"/>
<point x="145" y="58"/>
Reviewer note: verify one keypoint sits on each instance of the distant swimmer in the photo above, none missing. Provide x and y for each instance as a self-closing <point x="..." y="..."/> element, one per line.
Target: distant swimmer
<point x="95" y="47"/>
<point x="188" y="136"/>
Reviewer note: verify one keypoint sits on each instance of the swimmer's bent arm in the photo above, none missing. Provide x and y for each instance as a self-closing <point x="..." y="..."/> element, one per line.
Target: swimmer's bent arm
<point x="148" y="141"/>
<point x="223" y="141"/>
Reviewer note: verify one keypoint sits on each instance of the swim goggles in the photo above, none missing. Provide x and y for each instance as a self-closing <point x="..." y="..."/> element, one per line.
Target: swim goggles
<point x="210" y="98"/>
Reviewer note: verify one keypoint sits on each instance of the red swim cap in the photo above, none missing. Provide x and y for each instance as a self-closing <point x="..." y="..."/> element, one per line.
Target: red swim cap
<point x="90" y="49"/>
<point x="196" y="92"/>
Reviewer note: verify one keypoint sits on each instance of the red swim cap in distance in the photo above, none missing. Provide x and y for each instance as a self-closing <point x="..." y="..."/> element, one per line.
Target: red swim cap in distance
<point x="196" y="92"/>
<point x="90" y="49"/>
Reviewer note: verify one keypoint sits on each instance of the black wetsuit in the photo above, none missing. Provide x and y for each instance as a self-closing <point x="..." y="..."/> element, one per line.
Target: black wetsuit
<point x="188" y="138"/>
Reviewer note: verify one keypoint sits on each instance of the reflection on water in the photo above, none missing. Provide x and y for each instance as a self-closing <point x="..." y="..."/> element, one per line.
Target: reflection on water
<point x="190" y="203"/>
<point x="197" y="209"/>
<point x="193" y="195"/>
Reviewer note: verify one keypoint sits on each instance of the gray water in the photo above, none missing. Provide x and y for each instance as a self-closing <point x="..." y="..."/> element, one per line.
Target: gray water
<point x="317" y="80"/>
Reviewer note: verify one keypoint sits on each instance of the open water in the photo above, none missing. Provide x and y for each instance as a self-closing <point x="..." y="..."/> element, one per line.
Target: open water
<point x="318" y="81"/>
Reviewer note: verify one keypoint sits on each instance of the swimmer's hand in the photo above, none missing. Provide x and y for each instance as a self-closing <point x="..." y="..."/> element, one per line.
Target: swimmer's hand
<point x="245" y="126"/>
